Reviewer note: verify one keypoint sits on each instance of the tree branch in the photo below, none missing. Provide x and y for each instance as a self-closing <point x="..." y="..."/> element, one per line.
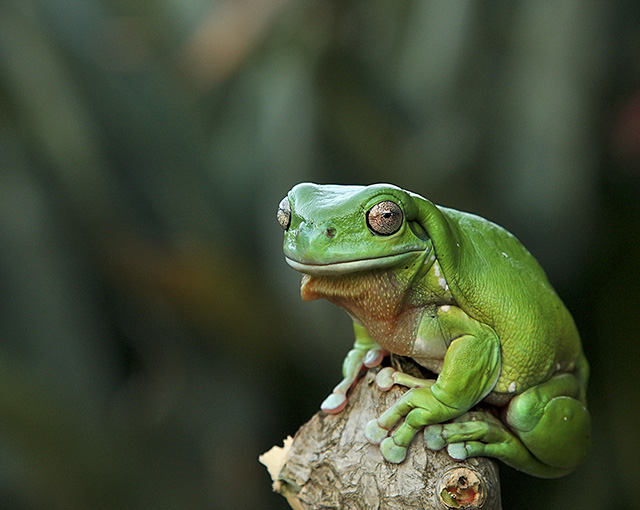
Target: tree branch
<point x="329" y="464"/>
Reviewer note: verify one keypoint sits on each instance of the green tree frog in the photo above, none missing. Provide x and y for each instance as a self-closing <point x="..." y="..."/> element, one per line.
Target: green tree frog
<point x="463" y="298"/>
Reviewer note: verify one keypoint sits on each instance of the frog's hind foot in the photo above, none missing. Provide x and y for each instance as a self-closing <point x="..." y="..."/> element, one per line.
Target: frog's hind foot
<point x="471" y="435"/>
<point x="388" y="376"/>
<point x="481" y="434"/>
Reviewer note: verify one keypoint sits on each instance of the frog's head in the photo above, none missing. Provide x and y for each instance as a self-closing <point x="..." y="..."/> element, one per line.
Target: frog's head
<point x="335" y="230"/>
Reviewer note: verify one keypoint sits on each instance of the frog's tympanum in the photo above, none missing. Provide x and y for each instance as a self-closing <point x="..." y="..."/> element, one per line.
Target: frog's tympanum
<point x="463" y="298"/>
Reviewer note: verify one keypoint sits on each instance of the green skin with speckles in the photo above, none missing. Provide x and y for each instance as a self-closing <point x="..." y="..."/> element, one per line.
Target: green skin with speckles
<point x="462" y="297"/>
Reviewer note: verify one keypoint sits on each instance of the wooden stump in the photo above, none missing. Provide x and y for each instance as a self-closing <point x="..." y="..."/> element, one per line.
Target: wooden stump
<point x="330" y="464"/>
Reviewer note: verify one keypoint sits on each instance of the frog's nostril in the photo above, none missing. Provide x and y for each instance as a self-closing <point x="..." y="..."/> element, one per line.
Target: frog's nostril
<point x="330" y="232"/>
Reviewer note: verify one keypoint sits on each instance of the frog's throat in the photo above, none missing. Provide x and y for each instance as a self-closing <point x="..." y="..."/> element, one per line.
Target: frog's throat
<point x="377" y="299"/>
<point x="352" y="266"/>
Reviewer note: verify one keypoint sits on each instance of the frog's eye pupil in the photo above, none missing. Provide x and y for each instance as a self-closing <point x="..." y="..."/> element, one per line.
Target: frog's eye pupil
<point x="385" y="218"/>
<point x="284" y="213"/>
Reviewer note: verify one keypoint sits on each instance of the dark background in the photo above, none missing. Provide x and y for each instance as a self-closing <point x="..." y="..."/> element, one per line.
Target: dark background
<point x="153" y="342"/>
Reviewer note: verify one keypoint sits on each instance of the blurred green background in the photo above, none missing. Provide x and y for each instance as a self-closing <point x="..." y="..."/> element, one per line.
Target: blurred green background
<point x="153" y="342"/>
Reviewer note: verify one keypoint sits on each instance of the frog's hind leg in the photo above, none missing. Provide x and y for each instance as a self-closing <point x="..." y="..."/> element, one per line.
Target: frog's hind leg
<point x="552" y="421"/>
<point x="547" y="431"/>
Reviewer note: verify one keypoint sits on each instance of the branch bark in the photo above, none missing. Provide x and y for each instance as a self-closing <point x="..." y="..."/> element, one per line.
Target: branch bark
<point x="330" y="465"/>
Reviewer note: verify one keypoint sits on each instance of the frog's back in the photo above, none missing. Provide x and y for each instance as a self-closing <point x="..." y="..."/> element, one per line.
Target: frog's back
<point x="496" y="280"/>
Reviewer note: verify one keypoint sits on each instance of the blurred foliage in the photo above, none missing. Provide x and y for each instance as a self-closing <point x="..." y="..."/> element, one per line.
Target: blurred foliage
<point x="153" y="341"/>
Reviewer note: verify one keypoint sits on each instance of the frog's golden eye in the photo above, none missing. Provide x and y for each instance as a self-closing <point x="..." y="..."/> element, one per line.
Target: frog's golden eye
<point x="385" y="218"/>
<point x="284" y="213"/>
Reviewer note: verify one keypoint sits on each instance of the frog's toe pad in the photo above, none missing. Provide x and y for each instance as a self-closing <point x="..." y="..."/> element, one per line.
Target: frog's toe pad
<point x="374" y="432"/>
<point x="433" y="437"/>
<point x="374" y="357"/>
<point x="384" y="379"/>
<point x="334" y="403"/>
<point x="392" y="452"/>
<point x="457" y="451"/>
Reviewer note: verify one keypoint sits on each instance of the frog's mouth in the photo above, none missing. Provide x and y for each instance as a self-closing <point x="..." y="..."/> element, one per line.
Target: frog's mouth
<point x="352" y="266"/>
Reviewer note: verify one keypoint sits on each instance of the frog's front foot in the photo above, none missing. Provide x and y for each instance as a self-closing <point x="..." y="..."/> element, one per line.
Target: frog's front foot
<point x="357" y="359"/>
<point x="411" y="413"/>
<point x="374" y="357"/>
<point x="377" y="434"/>
<point x="374" y="432"/>
<point x="334" y="403"/>
<point x="392" y="452"/>
<point x="394" y="447"/>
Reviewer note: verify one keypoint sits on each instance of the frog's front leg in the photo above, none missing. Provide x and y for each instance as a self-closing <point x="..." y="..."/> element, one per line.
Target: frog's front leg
<point x="470" y="370"/>
<point x="366" y="353"/>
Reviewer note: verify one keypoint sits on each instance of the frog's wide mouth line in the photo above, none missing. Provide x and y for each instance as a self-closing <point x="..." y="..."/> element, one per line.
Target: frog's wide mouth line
<point x="352" y="266"/>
